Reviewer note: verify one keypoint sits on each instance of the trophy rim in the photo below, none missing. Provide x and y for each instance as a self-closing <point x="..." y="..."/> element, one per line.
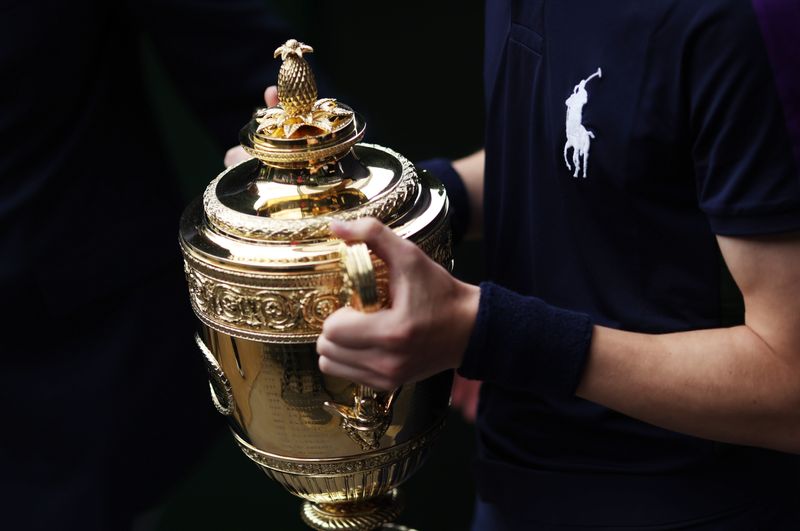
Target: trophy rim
<point x="343" y="465"/>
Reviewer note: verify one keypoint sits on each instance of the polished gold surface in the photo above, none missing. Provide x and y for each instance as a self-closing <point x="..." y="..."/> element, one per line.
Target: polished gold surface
<point x="298" y="151"/>
<point x="282" y="420"/>
<point x="279" y="406"/>
<point x="277" y="279"/>
<point x="297" y="89"/>
<point x="365" y="515"/>
<point x="218" y="384"/>
<point x="388" y="188"/>
<point x="264" y="271"/>
<point x="301" y="131"/>
<point x="325" y="115"/>
<point x="360" y="277"/>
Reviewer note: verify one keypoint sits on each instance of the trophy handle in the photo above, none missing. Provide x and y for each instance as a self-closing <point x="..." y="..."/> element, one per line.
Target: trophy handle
<point x="218" y="383"/>
<point x="368" y="417"/>
<point x="359" y="277"/>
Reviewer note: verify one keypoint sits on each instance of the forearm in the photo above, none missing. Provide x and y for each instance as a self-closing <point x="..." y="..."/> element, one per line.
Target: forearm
<point x="723" y="384"/>
<point x="738" y="385"/>
<point x="471" y="170"/>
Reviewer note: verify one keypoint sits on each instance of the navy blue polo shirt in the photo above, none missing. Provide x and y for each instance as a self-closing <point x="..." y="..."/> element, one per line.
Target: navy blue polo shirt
<point x="621" y="138"/>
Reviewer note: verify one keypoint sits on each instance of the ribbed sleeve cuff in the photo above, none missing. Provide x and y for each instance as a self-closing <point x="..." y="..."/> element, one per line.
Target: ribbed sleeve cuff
<point x="443" y="170"/>
<point x="524" y="343"/>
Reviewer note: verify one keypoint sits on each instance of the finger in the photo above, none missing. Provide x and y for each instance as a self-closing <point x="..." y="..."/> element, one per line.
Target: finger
<point x="465" y="395"/>
<point x="457" y="392"/>
<point x="353" y="329"/>
<point x="389" y="368"/>
<point x="235" y="155"/>
<point x="354" y="374"/>
<point x="271" y="96"/>
<point x="470" y="407"/>
<point x="393" y="249"/>
<point x="367" y="359"/>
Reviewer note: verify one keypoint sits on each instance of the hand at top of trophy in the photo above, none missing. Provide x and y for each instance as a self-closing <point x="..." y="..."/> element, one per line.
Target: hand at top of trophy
<point x="424" y="332"/>
<point x="237" y="154"/>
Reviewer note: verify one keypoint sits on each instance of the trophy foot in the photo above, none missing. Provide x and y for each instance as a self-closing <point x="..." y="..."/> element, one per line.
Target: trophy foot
<point x="367" y="515"/>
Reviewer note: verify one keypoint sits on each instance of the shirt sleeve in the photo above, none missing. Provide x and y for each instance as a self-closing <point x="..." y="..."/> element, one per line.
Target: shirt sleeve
<point x="742" y="146"/>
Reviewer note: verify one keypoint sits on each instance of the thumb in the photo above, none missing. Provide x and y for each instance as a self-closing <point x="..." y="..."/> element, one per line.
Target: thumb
<point x="381" y="239"/>
<point x="235" y="155"/>
<point x="271" y="96"/>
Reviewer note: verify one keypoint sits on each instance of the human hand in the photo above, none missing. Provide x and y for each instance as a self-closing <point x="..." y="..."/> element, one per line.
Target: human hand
<point x="235" y="155"/>
<point x="464" y="396"/>
<point x="425" y="331"/>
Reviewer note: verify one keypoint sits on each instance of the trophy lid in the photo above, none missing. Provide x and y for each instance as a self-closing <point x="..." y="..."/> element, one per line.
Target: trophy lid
<point x="308" y="170"/>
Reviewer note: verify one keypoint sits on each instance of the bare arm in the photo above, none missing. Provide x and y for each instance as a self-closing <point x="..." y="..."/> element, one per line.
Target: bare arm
<point x="471" y="171"/>
<point x="739" y="385"/>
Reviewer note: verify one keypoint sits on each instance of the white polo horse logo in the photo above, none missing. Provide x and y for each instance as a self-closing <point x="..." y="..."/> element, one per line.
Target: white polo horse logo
<point x="578" y="138"/>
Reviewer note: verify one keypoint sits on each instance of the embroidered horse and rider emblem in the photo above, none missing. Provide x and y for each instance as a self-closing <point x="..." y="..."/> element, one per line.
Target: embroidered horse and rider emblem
<point x="579" y="139"/>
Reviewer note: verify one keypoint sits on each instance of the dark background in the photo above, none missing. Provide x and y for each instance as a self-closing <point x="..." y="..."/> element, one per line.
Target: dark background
<point x="413" y="69"/>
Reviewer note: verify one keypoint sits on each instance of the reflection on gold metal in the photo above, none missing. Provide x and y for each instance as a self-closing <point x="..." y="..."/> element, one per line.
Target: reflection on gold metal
<point x="297" y="88"/>
<point x="355" y="516"/>
<point x="304" y="206"/>
<point x="386" y="466"/>
<point x="360" y="277"/>
<point x="301" y="131"/>
<point x="302" y="385"/>
<point x="325" y="116"/>
<point x="393" y="198"/>
<point x="298" y="111"/>
<point x="264" y="272"/>
<point x="218" y="384"/>
<point x="367" y="420"/>
<point x="307" y="152"/>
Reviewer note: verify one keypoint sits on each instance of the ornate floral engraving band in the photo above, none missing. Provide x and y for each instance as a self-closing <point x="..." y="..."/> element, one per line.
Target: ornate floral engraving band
<point x="264" y="272"/>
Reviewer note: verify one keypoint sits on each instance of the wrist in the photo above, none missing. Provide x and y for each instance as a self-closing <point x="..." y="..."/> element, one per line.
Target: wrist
<point x="467" y="302"/>
<point x="522" y="342"/>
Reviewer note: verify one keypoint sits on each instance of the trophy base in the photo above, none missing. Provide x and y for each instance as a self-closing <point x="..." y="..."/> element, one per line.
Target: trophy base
<point x="368" y="515"/>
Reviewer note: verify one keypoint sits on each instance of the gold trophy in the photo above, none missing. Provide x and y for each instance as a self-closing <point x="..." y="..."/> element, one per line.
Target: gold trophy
<point x="264" y="272"/>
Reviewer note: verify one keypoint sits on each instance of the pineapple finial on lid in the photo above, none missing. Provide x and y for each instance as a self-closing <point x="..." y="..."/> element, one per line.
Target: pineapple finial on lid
<point x="297" y="88"/>
<point x="299" y="112"/>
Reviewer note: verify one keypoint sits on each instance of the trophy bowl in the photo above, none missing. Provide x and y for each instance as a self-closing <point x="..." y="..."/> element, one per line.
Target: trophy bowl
<point x="264" y="272"/>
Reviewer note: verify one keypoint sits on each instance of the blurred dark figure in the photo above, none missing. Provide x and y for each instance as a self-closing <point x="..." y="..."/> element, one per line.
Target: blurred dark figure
<point x="105" y="400"/>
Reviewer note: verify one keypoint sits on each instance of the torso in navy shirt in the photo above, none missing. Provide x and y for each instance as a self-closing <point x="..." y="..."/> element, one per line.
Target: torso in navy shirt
<point x="622" y="137"/>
